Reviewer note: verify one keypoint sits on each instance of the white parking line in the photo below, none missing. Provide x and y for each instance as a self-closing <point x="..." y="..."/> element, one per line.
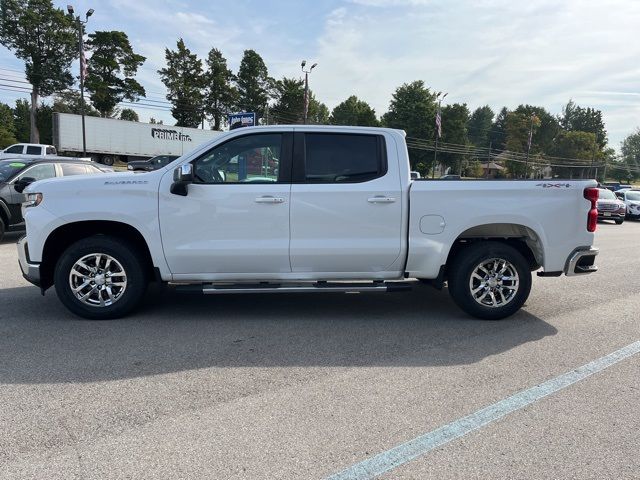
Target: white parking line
<point x="406" y="452"/>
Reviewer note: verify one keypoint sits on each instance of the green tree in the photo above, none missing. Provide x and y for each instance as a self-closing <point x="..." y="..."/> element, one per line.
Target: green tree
<point x="69" y="102"/>
<point x="574" y="145"/>
<point x="546" y="127"/>
<point x="518" y="127"/>
<point x="21" y="120"/>
<point x="129" y="114"/>
<point x="479" y="126"/>
<point x="498" y="136"/>
<point x="631" y="153"/>
<point x="455" y="118"/>
<point x="253" y="83"/>
<point x="7" y="127"/>
<point x="289" y="104"/>
<point x="44" y="121"/>
<point x="577" y="118"/>
<point x="354" y="111"/>
<point x="184" y="79"/>
<point x="289" y="101"/>
<point x="111" y="71"/>
<point x="45" y="38"/>
<point x="220" y="94"/>
<point x="318" y="112"/>
<point x="413" y="109"/>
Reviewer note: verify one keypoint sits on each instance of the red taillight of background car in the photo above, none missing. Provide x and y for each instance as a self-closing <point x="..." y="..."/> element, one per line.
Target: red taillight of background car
<point x="592" y="194"/>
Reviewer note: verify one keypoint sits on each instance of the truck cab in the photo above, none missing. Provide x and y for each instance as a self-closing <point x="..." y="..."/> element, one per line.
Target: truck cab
<point x="28" y="150"/>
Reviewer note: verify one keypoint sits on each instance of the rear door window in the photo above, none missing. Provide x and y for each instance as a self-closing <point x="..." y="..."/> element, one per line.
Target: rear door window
<point x="73" y="169"/>
<point x="343" y="158"/>
<point x="33" y="150"/>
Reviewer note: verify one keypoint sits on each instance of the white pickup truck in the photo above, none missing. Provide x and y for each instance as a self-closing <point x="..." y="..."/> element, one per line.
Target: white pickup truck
<point x="302" y="209"/>
<point x="28" y="150"/>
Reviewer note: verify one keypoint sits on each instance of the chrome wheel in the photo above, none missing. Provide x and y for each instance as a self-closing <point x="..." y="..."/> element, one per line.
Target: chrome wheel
<point x="494" y="282"/>
<point x="98" y="280"/>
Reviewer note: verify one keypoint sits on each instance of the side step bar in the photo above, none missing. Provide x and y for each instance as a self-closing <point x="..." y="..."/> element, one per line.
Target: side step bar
<point x="317" y="287"/>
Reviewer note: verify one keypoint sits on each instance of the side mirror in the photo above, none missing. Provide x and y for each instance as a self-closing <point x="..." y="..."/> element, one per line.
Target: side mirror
<point x="182" y="176"/>
<point x="23" y="183"/>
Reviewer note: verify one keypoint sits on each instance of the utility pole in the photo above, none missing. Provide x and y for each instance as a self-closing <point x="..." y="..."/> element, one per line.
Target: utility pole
<point x="486" y="173"/>
<point x="526" y="163"/>
<point x="306" y="87"/>
<point x="438" y="131"/>
<point x="83" y="68"/>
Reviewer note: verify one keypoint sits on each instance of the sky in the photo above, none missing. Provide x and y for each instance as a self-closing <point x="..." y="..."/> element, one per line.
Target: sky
<point x="482" y="52"/>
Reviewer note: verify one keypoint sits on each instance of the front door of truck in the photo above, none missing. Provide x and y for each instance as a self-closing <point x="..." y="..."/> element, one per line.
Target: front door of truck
<point x="346" y="205"/>
<point x="235" y="217"/>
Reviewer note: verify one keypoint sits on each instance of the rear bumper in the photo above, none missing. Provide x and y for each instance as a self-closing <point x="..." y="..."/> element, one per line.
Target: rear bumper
<point x="30" y="271"/>
<point x="581" y="261"/>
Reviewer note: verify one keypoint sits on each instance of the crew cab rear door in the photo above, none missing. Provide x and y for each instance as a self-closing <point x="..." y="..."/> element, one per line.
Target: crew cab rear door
<point x="346" y="204"/>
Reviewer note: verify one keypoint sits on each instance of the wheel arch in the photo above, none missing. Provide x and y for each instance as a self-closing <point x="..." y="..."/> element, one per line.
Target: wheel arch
<point x="521" y="237"/>
<point x="65" y="235"/>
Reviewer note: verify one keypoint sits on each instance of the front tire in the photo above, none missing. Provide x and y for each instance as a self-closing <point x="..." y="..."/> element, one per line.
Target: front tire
<point x="619" y="222"/>
<point x="489" y="280"/>
<point x="100" y="278"/>
<point x="3" y="228"/>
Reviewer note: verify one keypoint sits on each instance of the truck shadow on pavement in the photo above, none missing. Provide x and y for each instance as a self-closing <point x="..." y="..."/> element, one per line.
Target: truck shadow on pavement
<point x="40" y="342"/>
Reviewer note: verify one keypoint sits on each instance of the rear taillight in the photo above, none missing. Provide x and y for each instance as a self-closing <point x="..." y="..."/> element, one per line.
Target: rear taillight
<point x="592" y="195"/>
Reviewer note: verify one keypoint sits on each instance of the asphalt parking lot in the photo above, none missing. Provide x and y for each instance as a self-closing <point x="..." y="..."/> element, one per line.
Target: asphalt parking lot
<point x="306" y="386"/>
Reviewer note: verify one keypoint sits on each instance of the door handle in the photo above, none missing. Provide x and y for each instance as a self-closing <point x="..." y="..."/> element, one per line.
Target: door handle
<point x="381" y="199"/>
<point x="269" y="199"/>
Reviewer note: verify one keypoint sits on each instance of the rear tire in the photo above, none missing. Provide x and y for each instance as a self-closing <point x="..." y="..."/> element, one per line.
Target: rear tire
<point x="489" y="280"/>
<point x="100" y="278"/>
<point x="3" y="228"/>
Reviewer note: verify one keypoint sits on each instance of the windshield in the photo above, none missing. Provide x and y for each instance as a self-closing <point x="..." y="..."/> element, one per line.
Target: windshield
<point x="634" y="196"/>
<point x="9" y="168"/>
<point x="606" y="194"/>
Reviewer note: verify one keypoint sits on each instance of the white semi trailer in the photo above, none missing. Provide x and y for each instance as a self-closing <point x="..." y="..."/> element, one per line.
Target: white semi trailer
<point x="109" y="139"/>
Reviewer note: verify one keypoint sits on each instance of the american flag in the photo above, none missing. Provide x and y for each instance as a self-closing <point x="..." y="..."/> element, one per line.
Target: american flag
<point x="439" y="123"/>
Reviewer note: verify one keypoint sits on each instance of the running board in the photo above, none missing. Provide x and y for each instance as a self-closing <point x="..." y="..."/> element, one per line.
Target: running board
<point x="218" y="289"/>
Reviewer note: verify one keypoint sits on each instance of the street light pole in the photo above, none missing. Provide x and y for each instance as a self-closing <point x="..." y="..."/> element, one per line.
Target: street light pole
<point x="306" y="87"/>
<point x="83" y="61"/>
<point x="438" y="128"/>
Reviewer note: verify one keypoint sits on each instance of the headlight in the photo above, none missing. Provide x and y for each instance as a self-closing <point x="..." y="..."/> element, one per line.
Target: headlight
<point x="129" y="167"/>
<point x="33" y="200"/>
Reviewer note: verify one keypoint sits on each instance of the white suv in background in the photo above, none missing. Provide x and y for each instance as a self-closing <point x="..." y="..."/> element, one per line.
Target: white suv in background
<point x="632" y="199"/>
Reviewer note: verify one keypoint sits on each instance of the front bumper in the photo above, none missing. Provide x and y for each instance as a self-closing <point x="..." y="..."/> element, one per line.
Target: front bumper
<point x="581" y="261"/>
<point x="30" y="271"/>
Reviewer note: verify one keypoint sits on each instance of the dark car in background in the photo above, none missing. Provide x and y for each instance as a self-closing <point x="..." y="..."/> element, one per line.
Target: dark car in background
<point x="610" y="207"/>
<point x="153" y="163"/>
<point x="17" y="173"/>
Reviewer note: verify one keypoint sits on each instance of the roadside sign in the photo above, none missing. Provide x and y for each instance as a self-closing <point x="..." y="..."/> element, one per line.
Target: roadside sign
<point x="244" y="119"/>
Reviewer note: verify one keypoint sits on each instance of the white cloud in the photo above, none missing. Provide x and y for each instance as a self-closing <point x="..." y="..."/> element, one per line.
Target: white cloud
<point x="496" y="52"/>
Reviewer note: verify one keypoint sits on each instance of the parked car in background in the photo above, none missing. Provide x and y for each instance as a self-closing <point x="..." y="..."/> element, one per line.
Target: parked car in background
<point x="451" y="176"/>
<point x="615" y="186"/>
<point x="153" y="163"/>
<point x="17" y="173"/>
<point x="611" y="207"/>
<point x="631" y="198"/>
<point x="28" y="150"/>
